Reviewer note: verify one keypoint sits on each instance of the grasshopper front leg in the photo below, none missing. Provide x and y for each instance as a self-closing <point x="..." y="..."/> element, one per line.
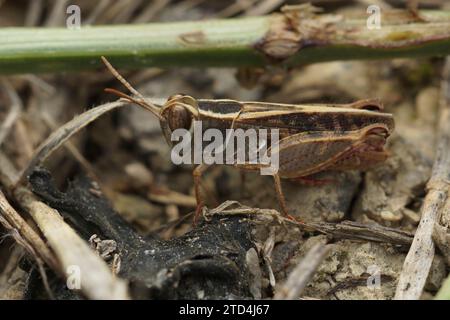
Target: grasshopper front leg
<point x="197" y="174"/>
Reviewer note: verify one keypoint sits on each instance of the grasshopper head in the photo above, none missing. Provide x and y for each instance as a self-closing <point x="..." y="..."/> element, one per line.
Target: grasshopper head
<point x="178" y="113"/>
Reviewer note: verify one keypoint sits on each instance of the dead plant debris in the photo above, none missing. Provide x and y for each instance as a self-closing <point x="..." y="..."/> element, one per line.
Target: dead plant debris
<point x="80" y="193"/>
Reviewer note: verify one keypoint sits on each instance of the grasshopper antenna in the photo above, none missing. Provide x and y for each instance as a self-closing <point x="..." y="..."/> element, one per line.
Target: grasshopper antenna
<point x="141" y="102"/>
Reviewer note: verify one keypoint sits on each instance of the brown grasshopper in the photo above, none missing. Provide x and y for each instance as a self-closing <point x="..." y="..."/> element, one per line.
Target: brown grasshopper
<point x="313" y="138"/>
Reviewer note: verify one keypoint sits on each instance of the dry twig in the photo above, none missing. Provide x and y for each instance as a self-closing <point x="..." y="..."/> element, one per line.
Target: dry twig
<point x="302" y="273"/>
<point x="97" y="281"/>
<point x="420" y="256"/>
<point x="13" y="114"/>
<point x="346" y="229"/>
<point x="28" y="239"/>
<point x="58" y="137"/>
<point x="13" y="221"/>
<point x="369" y="232"/>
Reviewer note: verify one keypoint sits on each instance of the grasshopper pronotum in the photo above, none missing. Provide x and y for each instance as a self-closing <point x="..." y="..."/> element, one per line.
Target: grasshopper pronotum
<point x="313" y="138"/>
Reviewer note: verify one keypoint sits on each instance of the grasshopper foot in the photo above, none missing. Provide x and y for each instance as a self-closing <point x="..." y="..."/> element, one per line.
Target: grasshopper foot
<point x="294" y="219"/>
<point x="198" y="212"/>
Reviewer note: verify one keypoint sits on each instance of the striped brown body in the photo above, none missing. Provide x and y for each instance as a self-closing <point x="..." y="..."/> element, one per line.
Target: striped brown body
<point x="312" y="138"/>
<point x="290" y="119"/>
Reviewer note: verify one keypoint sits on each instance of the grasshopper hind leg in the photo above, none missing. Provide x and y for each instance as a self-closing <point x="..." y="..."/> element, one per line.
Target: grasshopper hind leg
<point x="282" y="199"/>
<point x="197" y="174"/>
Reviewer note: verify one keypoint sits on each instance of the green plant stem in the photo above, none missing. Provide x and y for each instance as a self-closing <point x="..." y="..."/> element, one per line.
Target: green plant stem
<point x="230" y="42"/>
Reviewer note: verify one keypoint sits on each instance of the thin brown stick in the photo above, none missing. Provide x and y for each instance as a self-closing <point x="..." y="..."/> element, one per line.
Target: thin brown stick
<point x="57" y="14"/>
<point x="94" y="14"/>
<point x="16" y="222"/>
<point x="58" y="137"/>
<point x="8" y="288"/>
<point x="359" y="231"/>
<point x="127" y="12"/>
<point x="263" y="7"/>
<point x="29" y="246"/>
<point x="73" y="150"/>
<point x="34" y="12"/>
<point x="235" y="8"/>
<point x="172" y="197"/>
<point x="344" y="230"/>
<point x="420" y="256"/>
<point x="302" y="273"/>
<point x="14" y="111"/>
<point x="152" y="9"/>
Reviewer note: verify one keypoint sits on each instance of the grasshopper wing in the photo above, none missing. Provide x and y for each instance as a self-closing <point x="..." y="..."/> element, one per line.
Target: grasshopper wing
<point x="307" y="153"/>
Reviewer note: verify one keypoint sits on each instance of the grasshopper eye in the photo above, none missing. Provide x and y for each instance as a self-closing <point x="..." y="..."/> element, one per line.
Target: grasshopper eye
<point x="179" y="117"/>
